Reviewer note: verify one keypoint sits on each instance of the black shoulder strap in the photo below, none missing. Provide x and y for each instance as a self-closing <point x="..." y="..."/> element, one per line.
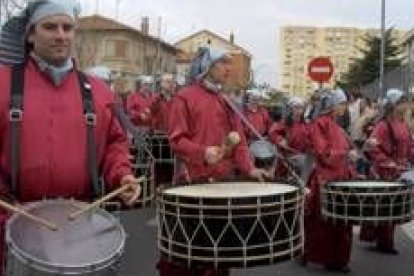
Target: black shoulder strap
<point x="90" y="119"/>
<point x="16" y="116"/>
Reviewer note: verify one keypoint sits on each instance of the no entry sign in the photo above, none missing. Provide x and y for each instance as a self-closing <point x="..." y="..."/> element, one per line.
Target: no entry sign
<point x="320" y="69"/>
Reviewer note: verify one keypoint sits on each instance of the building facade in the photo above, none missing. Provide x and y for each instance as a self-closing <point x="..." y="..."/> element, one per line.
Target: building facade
<point x="127" y="51"/>
<point x="240" y="58"/>
<point x="299" y="45"/>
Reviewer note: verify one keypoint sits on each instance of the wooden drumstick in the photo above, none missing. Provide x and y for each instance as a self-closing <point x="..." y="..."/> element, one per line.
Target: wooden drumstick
<point x="43" y="222"/>
<point x="107" y="197"/>
<point x="231" y="140"/>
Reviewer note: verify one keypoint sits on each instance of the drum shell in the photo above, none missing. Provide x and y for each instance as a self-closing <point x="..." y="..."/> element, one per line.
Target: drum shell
<point x="356" y="202"/>
<point x="23" y="263"/>
<point x="143" y="164"/>
<point x="160" y="148"/>
<point x="262" y="238"/>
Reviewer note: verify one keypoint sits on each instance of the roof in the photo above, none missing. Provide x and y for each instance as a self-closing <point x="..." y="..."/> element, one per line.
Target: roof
<point x="408" y="37"/>
<point x="216" y="36"/>
<point x="98" y="22"/>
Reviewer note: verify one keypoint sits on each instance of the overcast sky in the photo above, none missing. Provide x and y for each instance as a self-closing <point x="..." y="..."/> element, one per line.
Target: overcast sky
<point x="255" y="23"/>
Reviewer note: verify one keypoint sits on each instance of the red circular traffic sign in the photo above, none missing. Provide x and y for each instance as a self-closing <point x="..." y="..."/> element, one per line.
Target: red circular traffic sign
<point x="320" y="69"/>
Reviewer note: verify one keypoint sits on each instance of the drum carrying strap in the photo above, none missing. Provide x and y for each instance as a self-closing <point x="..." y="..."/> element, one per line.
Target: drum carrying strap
<point x="90" y="120"/>
<point x="16" y="117"/>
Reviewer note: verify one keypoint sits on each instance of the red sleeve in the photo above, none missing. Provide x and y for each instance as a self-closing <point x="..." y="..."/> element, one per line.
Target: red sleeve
<point x="242" y="153"/>
<point x="268" y="120"/>
<point x="179" y="134"/>
<point x="277" y="132"/>
<point x="115" y="163"/>
<point x="319" y="141"/>
<point x="378" y="153"/>
<point x="135" y="107"/>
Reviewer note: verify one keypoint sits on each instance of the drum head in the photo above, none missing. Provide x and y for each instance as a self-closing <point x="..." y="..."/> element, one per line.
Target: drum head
<point x="230" y="190"/>
<point x="262" y="149"/>
<point x="92" y="239"/>
<point x="366" y="184"/>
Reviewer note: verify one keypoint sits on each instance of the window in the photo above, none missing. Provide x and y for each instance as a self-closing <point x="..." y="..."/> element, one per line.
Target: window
<point x="117" y="48"/>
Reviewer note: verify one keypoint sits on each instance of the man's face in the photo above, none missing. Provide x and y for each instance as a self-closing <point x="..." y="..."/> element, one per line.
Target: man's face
<point x="52" y="38"/>
<point x="168" y="83"/>
<point x="297" y="111"/>
<point x="220" y="71"/>
<point x="339" y="109"/>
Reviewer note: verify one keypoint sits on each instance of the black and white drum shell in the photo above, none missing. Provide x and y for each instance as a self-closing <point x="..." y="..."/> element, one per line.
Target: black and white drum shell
<point x="230" y="224"/>
<point x="377" y="202"/>
<point x="90" y="245"/>
<point x="160" y="147"/>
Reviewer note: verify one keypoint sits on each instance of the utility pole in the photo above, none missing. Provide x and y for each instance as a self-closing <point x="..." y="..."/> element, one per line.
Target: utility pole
<point x="382" y="55"/>
<point x="118" y="3"/>
<point x="1" y="13"/>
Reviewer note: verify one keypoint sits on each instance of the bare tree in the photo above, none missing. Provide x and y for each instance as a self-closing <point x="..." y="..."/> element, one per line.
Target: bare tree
<point x="9" y="8"/>
<point x="87" y="48"/>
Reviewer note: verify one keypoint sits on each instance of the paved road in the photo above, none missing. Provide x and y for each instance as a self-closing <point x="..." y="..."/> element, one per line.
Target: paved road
<point x="141" y="253"/>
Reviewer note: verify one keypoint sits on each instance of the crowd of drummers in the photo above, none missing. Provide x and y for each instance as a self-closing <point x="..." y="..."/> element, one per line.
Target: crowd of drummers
<point x="346" y="136"/>
<point x="59" y="135"/>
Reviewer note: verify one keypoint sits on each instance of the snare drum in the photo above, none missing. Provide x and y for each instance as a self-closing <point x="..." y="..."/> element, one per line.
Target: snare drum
<point x="230" y="224"/>
<point x="354" y="202"/>
<point x="90" y="245"/>
<point x="264" y="153"/>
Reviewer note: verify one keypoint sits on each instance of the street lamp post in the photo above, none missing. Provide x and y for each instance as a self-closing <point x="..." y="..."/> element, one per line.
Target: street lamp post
<point x="382" y="55"/>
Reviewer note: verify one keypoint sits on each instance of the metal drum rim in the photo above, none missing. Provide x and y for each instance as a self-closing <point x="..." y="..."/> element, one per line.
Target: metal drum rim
<point x="339" y="182"/>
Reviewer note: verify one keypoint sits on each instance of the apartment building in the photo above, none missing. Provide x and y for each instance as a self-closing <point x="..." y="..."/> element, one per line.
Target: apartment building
<point x="300" y="44"/>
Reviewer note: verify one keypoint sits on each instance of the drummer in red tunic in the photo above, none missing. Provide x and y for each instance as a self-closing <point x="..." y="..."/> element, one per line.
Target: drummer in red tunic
<point x="325" y="243"/>
<point x="291" y="135"/>
<point x="138" y="104"/>
<point x="200" y="121"/>
<point x="160" y="108"/>
<point x="53" y="138"/>
<point x="257" y="115"/>
<point x="390" y="156"/>
<point x="159" y="116"/>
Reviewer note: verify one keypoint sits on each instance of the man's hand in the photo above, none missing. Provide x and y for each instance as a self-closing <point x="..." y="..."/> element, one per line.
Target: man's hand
<point x="145" y="114"/>
<point x="213" y="155"/>
<point x="130" y="196"/>
<point x="282" y="143"/>
<point x="353" y="155"/>
<point x="260" y="174"/>
<point x="371" y="142"/>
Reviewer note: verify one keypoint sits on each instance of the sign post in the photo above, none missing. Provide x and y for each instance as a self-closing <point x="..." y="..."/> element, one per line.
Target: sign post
<point x="320" y="70"/>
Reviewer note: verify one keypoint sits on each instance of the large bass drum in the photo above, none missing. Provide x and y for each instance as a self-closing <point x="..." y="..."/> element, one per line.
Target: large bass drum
<point x="230" y="224"/>
<point x="90" y="245"/>
<point x="377" y="202"/>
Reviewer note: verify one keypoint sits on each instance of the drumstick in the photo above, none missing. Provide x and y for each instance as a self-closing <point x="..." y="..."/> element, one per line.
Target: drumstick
<point x="258" y="135"/>
<point x="285" y="147"/>
<point x="231" y="140"/>
<point x="107" y="197"/>
<point x="49" y="225"/>
<point x="395" y="167"/>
